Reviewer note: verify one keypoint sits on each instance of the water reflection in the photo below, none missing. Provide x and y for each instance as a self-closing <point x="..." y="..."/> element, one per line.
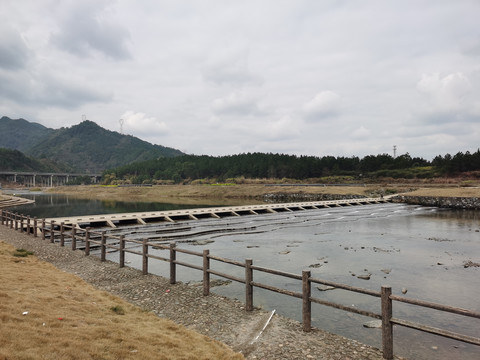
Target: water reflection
<point x="58" y="205"/>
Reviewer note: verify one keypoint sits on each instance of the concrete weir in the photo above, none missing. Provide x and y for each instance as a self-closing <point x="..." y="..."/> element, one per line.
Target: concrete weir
<point x="115" y="220"/>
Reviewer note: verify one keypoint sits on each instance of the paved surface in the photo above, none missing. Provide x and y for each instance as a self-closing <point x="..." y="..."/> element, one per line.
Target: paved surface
<point x="216" y="316"/>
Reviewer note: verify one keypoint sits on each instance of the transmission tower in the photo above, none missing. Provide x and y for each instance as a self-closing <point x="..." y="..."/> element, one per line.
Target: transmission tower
<point x="121" y="125"/>
<point x="394" y="151"/>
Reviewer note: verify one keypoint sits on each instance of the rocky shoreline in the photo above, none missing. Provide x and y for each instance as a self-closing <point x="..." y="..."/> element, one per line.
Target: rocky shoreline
<point x="464" y="203"/>
<point x="295" y="197"/>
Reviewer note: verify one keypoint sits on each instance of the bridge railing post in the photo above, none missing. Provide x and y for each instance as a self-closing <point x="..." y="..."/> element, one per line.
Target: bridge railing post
<point x="387" y="326"/>
<point x="173" y="269"/>
<point x="87" y="240"/>
<point x="74" y="239"/>
<point x="43" y="229"/>
<point x="62" y="234"/>
<point x="122" y="251"/>
<point x="206" y="273"/>
<point x="102" y="247"/>
<point x="52" y="231"/>
<point x="306" y="302"/>
<point x="144" y="257"/>
<point x="248" y="285"/>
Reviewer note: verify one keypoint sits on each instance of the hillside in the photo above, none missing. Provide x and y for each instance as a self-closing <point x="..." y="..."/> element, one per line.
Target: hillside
<point x="20" y="134"/>
<point x="83" y="147"/>
<point x="15" y="160"/>
<point x="89" y="147"/>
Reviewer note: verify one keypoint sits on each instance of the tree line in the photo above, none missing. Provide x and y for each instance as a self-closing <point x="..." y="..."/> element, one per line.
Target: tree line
<point x="278" y="166"/>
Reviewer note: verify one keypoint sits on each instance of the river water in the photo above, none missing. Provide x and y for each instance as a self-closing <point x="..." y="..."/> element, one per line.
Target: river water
<point x="419" y="249"/>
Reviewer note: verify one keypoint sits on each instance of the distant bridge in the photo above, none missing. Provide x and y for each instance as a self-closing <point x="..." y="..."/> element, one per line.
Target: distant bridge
<point x="46" y="179"/>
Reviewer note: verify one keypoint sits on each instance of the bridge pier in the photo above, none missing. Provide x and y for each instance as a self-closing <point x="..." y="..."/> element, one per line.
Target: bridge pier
<point x="32" y="179"/>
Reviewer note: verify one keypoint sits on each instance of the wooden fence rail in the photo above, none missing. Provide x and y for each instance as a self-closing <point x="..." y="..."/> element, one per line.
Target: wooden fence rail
<point x="61" y="232"/>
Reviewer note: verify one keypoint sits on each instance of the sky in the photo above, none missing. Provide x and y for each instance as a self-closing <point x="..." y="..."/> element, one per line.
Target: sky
<point x="222" y="77"/>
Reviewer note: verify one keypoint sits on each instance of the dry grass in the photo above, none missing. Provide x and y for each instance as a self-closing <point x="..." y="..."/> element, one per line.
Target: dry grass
<point x="248" y="193"/>
<point x="202" y="194"/>
<point x="69" y="319"/>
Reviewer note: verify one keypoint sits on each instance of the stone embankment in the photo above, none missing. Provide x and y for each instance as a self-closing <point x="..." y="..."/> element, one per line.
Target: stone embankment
<point x="470" y="203"/>
<point x="295" y="197"/>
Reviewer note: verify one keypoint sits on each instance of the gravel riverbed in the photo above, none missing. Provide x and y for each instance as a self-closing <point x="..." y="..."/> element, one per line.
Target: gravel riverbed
<point x="218" y="317"/>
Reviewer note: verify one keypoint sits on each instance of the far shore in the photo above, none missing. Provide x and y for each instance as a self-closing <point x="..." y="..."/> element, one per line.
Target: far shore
<point x="251" y="194"/>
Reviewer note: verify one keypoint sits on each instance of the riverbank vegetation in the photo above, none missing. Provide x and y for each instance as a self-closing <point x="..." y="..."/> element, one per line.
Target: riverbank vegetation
<point x="240" y="168"/>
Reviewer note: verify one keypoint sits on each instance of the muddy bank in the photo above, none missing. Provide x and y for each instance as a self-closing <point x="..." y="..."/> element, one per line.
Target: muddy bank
<point x="470" y="203"/>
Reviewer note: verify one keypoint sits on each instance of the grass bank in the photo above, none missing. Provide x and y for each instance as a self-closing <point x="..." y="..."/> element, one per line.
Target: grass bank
<point x="48" y="314"/>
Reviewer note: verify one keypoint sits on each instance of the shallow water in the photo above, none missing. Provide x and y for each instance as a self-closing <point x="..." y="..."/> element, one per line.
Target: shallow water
<point x="418" y="248"/>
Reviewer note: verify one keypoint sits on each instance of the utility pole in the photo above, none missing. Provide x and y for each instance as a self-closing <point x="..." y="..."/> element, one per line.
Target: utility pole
<point x="394" y="151"/>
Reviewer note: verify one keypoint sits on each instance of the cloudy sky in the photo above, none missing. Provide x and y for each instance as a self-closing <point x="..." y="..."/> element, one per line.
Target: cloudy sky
<point x="222" y="77"/>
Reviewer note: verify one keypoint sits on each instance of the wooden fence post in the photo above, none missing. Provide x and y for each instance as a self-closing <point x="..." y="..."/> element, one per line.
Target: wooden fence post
<point x="206" y="274"/>
<point x="1" y="216"/>
<point x="28" y="224"/>
<point x="144" y="257"/>
<point x="43" y="229"/>
<point x="21" y="222"/>
<point x="306" y="304"/>
<point x="74" y="241"/>
<point x="173" y="269"/>
<point x="102" y="247"/>
<point x="387" y="327"/>
<point x="122" y="251"/>
<point x="62" y="234"/>
<point x="52" y="231"/>
<point x="11" y="221"/>
<point x="248" y="285"/>
<point x="35" y="227"/>
<point x="87" y="240"/>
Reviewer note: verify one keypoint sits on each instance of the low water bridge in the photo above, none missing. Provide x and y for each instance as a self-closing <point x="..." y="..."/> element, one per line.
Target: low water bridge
<point x="114" y="220"/>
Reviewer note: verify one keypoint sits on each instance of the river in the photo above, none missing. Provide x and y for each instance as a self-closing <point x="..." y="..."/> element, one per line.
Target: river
<point x="418" y="249"/>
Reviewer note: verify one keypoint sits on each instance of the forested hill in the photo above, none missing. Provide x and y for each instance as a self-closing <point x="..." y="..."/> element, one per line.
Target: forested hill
<point x="89" y="147"/>
<point x="20" y="134"/>
<point x="14" y="160"/>
<point x="83" y="147"/>
<point x="278" y="166"/>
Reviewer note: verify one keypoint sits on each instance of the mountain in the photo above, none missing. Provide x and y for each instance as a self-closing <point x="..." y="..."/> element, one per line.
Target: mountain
<point x="21" y="134"/>
<point x="91" y="148"/>
<point x="14" y="160"/>
<point x="85" y="147"/>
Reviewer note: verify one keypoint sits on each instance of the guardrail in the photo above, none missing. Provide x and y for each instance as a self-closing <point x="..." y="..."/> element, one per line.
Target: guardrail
<point x="60" y="233"/>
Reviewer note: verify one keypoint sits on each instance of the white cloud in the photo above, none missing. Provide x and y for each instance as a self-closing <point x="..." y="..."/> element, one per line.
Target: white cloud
<point x="14" y="53"/>
<point x="139" y="124"/>
<point x="450" y="92"/>
<point x="230" y="66"/>
<point x="85" y="27"/>
<point x="324" y="105"/>
<point x="235" y="104"/>
<point x="303" y="77"/>
<point x="361" y="133"/>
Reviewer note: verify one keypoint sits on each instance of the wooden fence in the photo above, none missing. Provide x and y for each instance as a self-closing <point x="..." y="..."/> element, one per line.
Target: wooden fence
<point x="60" y="232"/>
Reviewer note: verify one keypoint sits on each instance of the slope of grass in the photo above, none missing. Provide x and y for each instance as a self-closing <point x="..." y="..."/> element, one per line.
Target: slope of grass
<point x="49" y="314"/>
